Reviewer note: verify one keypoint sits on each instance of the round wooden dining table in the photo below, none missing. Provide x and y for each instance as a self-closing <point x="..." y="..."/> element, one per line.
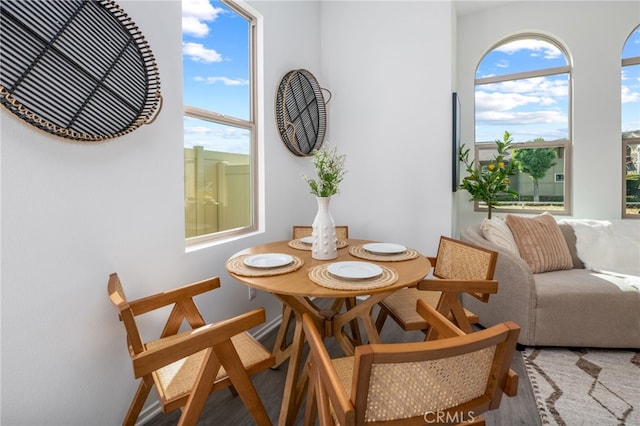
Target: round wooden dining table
<point x="297" y="288"/>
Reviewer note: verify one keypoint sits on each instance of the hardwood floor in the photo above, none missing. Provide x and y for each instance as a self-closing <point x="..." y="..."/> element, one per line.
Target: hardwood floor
<point x="224" y="409"/>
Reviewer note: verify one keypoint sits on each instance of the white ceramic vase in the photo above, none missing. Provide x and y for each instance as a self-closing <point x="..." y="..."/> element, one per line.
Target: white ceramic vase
<point x="324" y="246"/>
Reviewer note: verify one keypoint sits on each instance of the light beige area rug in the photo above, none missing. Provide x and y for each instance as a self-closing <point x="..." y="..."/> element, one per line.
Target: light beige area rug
<point x="585" y="386"/>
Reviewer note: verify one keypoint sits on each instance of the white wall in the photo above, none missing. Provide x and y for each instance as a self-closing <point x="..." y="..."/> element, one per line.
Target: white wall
<point x="73" y="213"/>
<point x="388" y="65"/>
<point x="593" y="33"/>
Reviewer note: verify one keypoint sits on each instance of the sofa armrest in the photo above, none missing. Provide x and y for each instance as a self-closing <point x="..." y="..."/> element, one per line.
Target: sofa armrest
<point x="516" y="297"/>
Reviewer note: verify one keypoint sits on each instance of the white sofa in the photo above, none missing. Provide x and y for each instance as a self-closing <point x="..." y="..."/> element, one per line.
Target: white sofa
<point x="596" y="303"/>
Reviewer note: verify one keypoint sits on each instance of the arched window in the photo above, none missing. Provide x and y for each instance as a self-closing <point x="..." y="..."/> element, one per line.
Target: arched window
<point x="630" y="108"/>
<point x="219" y="83"/>
<point x="523" y="86"/>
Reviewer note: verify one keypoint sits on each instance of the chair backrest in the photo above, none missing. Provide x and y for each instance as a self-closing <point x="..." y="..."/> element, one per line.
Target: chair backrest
<point x="462" y="261"/>
<point x="119" y="300"/>
<point x="184" y="308"/>
<point x="429" y="379"/>
<point x="300" y="231"/>
<point x="456" y="378"/>
<point x="186" y="366"/>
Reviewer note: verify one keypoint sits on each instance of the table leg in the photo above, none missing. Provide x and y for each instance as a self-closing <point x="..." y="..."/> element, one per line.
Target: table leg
<point x="296" y="379"/>
<point x="351" y="302"/>
<point x="282" y="351"/>
<point x="329" y="323"/>
<point x="363" y="311"/>
<point x="288" y="410"/>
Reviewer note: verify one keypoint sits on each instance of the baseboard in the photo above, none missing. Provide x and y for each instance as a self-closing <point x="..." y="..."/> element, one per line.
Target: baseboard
<point x="149" y="413"/>
<point x="154" y="409"/>
<point x="267" y="327"/>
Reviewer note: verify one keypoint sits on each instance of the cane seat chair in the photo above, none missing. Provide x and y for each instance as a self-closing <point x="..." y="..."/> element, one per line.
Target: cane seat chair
<point x="459" y="267"/>
<point x="301" y="231"/>
<point x="282" y="348"/>
<point x="452" y="380"/>
<point x="186" y="367"/>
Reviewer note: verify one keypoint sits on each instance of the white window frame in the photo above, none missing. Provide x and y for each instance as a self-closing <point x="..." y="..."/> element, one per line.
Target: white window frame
<point x="251" y="125"/>
<point x="625" y="144"/>
<point x="566" y="144"/>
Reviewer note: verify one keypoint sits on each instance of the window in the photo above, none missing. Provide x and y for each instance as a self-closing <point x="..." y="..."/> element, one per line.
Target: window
<point x="523" y="86"/>
<point x="218" y="47"/>
<point x="631" y="126"/>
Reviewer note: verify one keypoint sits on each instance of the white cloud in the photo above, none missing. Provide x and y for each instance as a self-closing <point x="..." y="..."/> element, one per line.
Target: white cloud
<point x="194" y="27"/>
<point x="540" y="86"/>
<point x="224" y="80"/>
<point x="194" y="15"/>
<point x="198" y="130"/>
<point x="533" y="93"/>
<point x="628" y="74"/>
<point x="519" y="118"/>
<point x="497" y="101"/>
<point x="523" y="133"/>
<point x="198" y="53"/>
<point x="217" y="138"/>
<point x="547" y="49"/>
<point x="628" y="95"/>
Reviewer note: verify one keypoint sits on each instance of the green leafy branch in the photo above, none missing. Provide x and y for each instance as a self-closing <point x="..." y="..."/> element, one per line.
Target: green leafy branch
<point x="488" y="184"/>
<point x="329" y="170"/>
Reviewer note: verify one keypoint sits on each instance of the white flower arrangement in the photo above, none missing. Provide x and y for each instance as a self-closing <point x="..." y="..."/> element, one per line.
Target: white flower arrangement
<point x="330" y="172"/>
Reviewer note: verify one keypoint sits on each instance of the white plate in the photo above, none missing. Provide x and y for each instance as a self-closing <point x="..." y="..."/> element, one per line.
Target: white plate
<point x="384" y="248"/>
<point x="353" y="270"/>
<point x="268" y="260"/>
<point x="307" y="240"/>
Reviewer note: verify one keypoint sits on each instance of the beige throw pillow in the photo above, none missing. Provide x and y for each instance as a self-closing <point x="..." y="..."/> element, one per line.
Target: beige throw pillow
<point x="497" y="231"/>
<point x="540" y="242"/>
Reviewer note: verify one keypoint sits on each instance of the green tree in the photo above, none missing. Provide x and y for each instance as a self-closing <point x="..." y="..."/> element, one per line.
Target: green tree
<point x="633" y="184"/>
<point x="485" y="184"/>
<point x="536" y="162"/>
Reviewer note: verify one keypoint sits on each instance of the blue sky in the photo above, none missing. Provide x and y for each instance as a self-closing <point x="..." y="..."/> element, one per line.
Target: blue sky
<point x="528" y="108"/>
<point x="216" y="70"/>
<point x="537" y="107"/>
<point x="631" y="84"/>
<point x="215" y="61"/>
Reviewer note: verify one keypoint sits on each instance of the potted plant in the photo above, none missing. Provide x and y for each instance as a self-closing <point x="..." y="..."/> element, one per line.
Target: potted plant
<point x="330" y="171"/>
<point x="485" y="184"/>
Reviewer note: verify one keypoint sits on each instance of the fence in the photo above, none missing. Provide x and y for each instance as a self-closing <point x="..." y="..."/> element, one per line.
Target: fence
<point x="217" y="188"/>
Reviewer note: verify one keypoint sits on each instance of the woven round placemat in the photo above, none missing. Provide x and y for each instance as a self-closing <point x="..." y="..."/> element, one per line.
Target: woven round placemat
<point x="359" y="251"/>
<point x="236" y="266"/>
<point x="299" y="245"/>
<point x="321" y="276"/>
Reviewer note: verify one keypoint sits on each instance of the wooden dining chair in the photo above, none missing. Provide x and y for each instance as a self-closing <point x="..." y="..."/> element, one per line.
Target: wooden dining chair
<point x="282" y="348"/>
<point x="186" y="367"/>
<point x="459" y="267"/>
<point x="452" y="380"/>
<point x="300" y="231"/>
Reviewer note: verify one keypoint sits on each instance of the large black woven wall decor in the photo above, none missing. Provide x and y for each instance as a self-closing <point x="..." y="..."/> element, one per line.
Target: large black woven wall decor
<point x="77" y="69"/>
<point x="301" y="113"/>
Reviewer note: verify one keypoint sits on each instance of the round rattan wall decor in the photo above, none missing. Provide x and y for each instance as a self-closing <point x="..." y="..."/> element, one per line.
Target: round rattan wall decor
<point x="78" y="69"/>
<point x="301" y="113"/>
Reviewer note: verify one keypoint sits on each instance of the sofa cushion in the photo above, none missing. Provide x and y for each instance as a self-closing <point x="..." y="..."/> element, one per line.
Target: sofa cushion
<point x="540" y="242"/>
<point x="497" y="231"/>
<point x="603" y="246"/>
<point x="579" y="307"/>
